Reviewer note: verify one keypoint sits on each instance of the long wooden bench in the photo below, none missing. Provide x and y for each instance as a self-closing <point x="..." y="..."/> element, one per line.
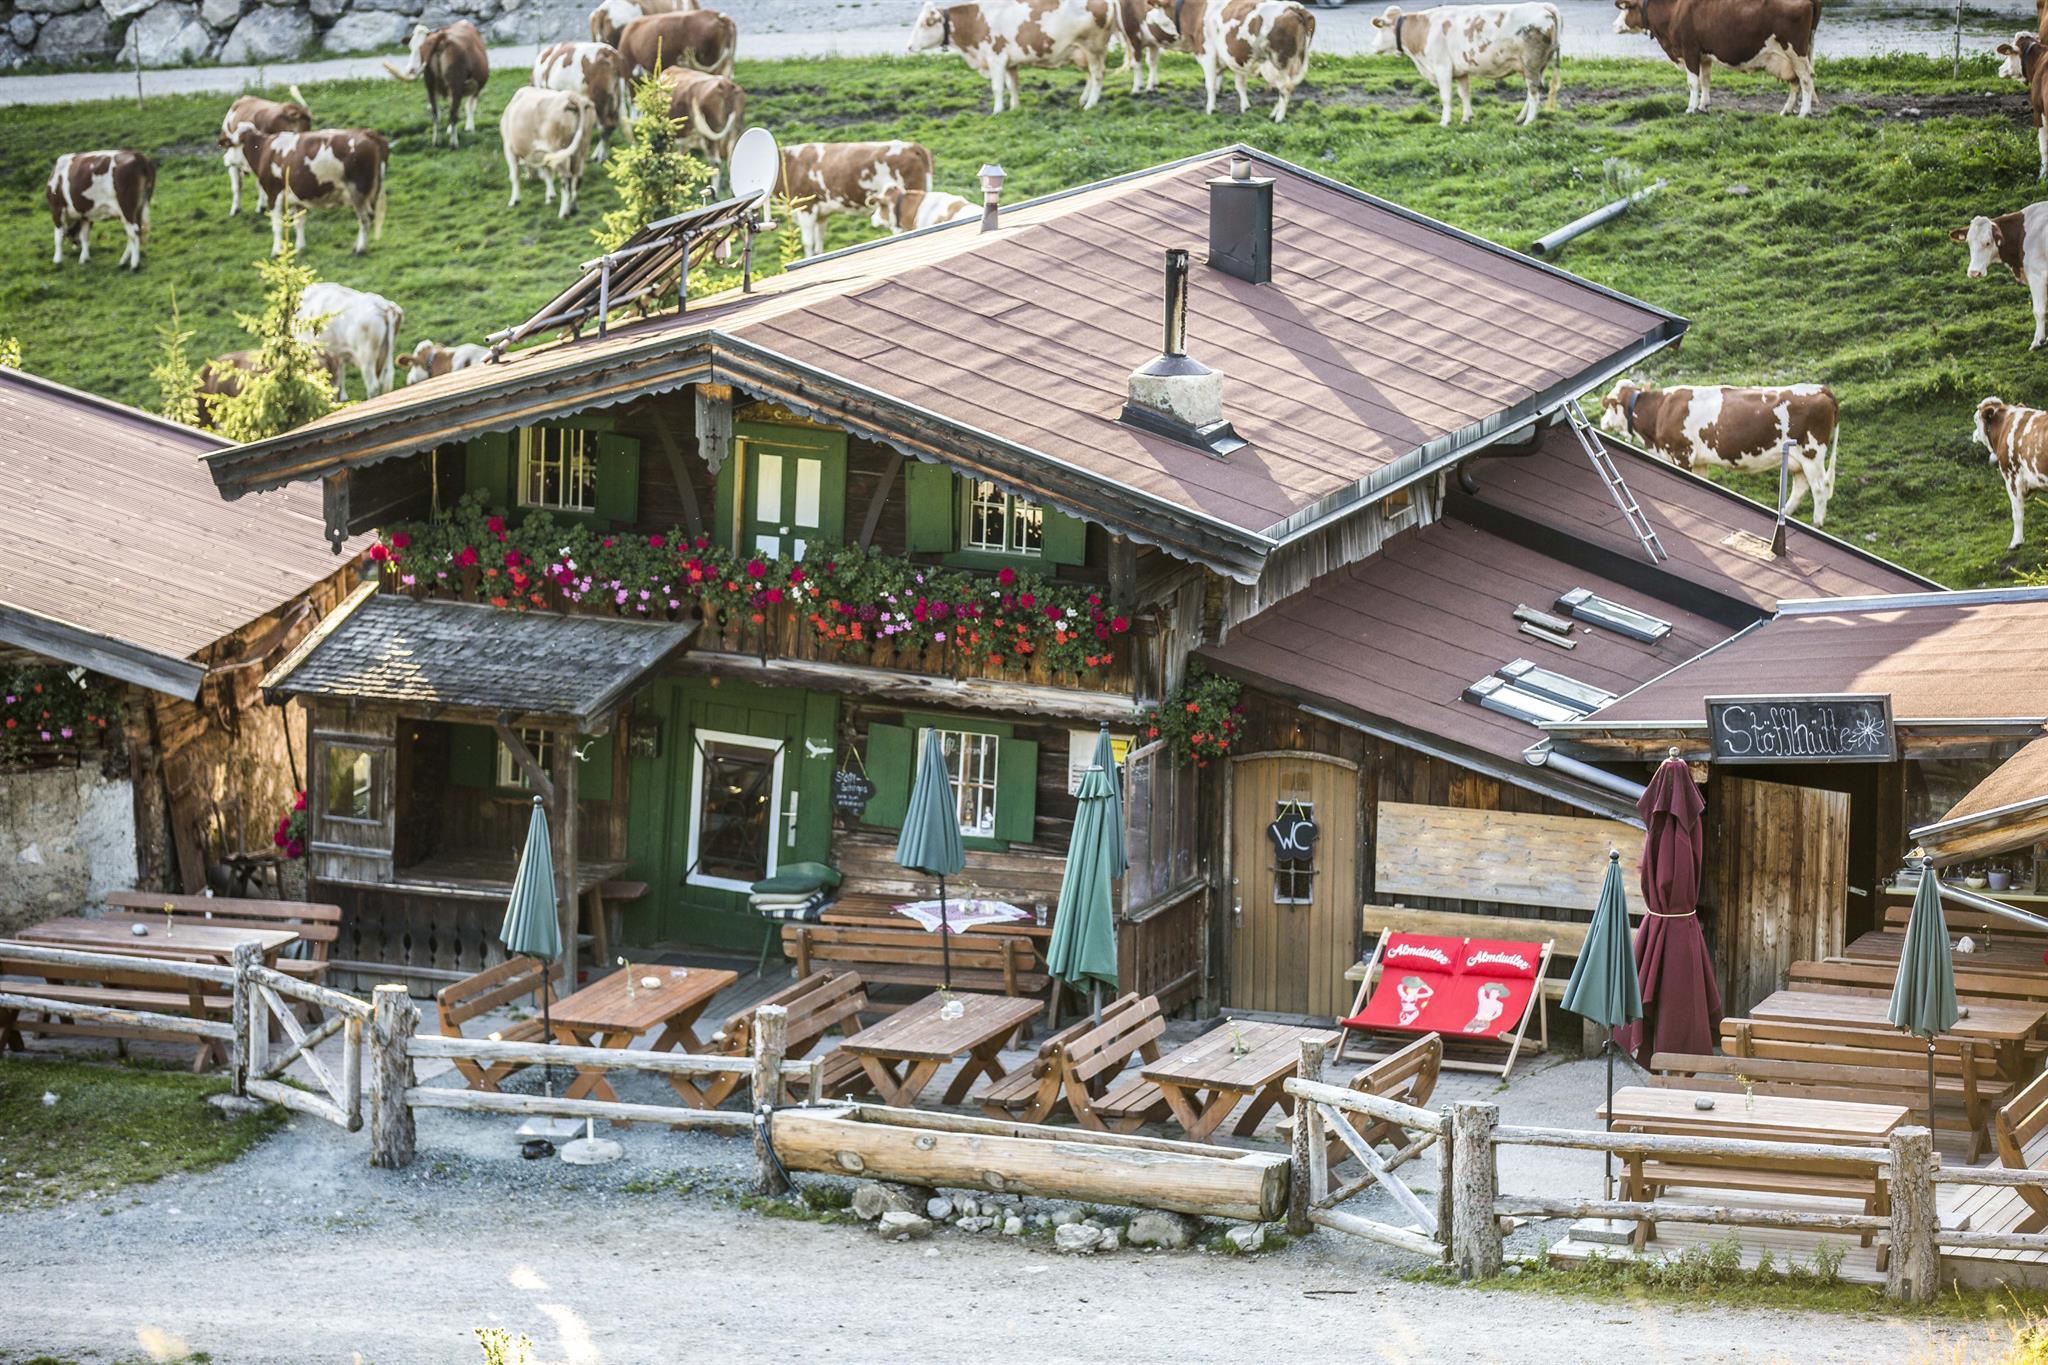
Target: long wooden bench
<point x="318" y="926"/>
<point x="912" y="957"/>
<point x="1973" y="986"/>
<point x="1029" y="1094"/>
<point x="122" y="988"/>
<point x="515" y="978"/>
<point x="816" y="1005"/>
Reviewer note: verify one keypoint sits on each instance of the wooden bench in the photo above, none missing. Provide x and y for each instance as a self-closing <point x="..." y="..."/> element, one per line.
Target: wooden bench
<point x="1408" y="1076"/>
<point x="911" y="957"/>
<point x="816" y="1005"/>
<point x="318" y="926"/>
<point x="1029" y="1094"/>
<point x="1961" y="919"/>
<point x="1088" y="1064"/>
<point x="513" y="979"/>
<point x="124" y="988"/>
<point x="2021" y="1120"/>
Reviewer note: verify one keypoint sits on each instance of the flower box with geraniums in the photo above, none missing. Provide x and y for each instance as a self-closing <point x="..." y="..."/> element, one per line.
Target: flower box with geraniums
<point x="49" y="713"/>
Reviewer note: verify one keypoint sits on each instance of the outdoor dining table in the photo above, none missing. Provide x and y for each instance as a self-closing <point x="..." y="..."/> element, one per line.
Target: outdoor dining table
<point x="1204" y="1080"/>
<point x="185" y="939"/>
<point x="2007" y="1026"/>
<point x="608" y="1014"/>
<point x="1998" y="954"/>
<point x="903" y="1052"/>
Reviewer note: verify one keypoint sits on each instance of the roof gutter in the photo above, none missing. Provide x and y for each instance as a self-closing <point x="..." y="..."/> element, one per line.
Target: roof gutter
<point x="1966" y="597"/>
<point x="1541" y="755"/>
<point x="1998" y="815"/>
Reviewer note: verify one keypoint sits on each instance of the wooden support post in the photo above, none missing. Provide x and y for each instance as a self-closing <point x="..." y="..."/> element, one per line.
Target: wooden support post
<point x="566" y="837"/>
<point x="1914" y="1274"/>
<point x="771" y="1041"/>
<point x="250" y="1019"/>
<point x="393" y="1019"/>
<point x="1311" y="1155"/>
<point x="1475" y="1230"/>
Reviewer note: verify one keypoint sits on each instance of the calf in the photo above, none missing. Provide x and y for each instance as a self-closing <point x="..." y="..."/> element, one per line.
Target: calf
<point x="1000" y="37"/>
<point x="2027" y="60"/>
<point x="595" y="71"/>
<point x="548" y="132"/>
<point x="350" y="325"/>
<point x="86" y="187"/>
<point x="321" y="169"/>
<point x="824" y="178"/>
<point x="611" y="16"/>
<point x="2017" y="438"/>
<point x="702" y="40"/>
<point x="908" y="210"/>
<point x="455" y="65"/>
<point x="1453" y="43"/>
<point x="1735" y="428"/>
<point x="709" y="108"/>
<point x="1748" y="35"/>
<point x="430" y="360"/>
<point x="1148" y="28"/>
<point x="265" y="116"/>
<point x="1270" y="37"/>
<point x="2019" y="242"/>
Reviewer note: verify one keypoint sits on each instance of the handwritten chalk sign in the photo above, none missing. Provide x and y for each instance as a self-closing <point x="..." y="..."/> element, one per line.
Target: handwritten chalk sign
<point x="1851" y="728"/>
<point x="1294" y="836"/>
<point x="851" y="791"/>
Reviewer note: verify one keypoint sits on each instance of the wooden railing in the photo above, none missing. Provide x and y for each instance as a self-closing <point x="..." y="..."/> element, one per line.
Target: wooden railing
<point x="261" y="997"/>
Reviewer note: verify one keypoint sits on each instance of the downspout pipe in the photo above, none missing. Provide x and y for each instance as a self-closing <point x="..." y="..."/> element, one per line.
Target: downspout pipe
<point x="1541" y="756"/>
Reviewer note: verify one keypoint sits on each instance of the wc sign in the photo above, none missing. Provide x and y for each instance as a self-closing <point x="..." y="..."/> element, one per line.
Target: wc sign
<point x="1294" y="835"/>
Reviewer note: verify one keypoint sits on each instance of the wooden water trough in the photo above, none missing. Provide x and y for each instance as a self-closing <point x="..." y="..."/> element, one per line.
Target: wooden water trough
<point x="954" y="1151"/>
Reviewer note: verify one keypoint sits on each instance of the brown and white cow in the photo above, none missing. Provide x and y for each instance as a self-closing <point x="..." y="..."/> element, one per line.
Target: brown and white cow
<point x="2019" y="242"/>
<point x="1746" y="35"/>
<point x="611" y="16"/>
<point x="1001" y="37"/>
<point x="265" y="116"/>
<point x="352" y="326"/>
<point x="1735" y="428"/>
<point x="327" y="168"/>
<point x="2026" y="60"/>
<point x="548" y="132"/>
<point x="710" y="109"/>
<point x="455" y="65"/>
<point x="87" y="187"/>
<point x="909" y="210"/>
<point x="702" y="40"/>
<point x="824" y="178"/>
<point x="1269" y="37"/>
<point x="1146" y="29"/>
<point x="1453" y="43"/>
<point x="431" y="360"/>
<point x="2017" y="438"/>
<point x="595" y="71"/>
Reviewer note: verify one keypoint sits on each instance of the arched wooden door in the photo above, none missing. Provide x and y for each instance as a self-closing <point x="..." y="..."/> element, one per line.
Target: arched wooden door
<point x="1293" y="920"/>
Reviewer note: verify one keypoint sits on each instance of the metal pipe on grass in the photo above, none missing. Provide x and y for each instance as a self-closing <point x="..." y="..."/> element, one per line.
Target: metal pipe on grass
<point x="1548" y="244"/>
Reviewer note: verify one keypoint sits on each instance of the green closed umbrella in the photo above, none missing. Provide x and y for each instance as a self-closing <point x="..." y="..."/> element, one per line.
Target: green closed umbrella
<point x="533" y="925"/>
<point x="1603" y="986"/>
<point x="930" y="842"/>
<point x="1105" y="759"/>
<point x="1924" y="991"/>
<point x="1083" y="946"/>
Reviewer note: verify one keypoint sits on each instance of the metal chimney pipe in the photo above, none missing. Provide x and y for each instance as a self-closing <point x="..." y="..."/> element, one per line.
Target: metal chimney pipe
<point x="992" y="178"/>
<point x="1175" y="341"/>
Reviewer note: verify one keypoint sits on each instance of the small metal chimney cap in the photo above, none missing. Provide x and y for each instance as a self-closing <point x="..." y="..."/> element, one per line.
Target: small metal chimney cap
<point x="992" y="177"/>
<point x="1240" y="166"/>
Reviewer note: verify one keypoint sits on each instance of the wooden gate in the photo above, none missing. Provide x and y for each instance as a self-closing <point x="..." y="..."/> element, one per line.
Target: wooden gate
<point x="1781" y="862"/>
<point x="267" y="998"/>
<point x="1294" y="922"/>
<point x="1323" y="1112"/>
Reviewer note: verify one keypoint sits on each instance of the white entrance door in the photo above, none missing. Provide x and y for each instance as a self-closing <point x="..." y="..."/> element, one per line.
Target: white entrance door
<point x="735" y="810"/>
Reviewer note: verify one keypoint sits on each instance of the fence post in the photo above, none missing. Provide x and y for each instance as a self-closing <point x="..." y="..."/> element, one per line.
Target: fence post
<point x="393" y="1019"/>
<point x="1915" y="1271"/>
<point x="771" y="1040"/>
<point x="1309" y="1151"/>
<point x="248" y="1018"/>
<point x="1446" y="1164"/>
<point x="1475" y="1234"/>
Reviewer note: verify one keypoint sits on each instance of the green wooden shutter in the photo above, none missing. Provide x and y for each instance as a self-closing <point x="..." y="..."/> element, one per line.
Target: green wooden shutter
<point x="722" y="499"/>
<point x="489" y="467"/>
<point x="618" y="479"/>
<point x="929" y="503"/>
<point x="888" y="759"/>
<point x="1016" y="790"/>
<point x="1065" y="539"/>
<point x="472" y="756"/>
<point x="594" y="779"/>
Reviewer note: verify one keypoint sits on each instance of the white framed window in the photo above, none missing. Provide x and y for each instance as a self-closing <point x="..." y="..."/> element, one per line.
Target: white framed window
<point x="735" y="810"/>
<point x="971" y="764"/>
<point x="1002" y="523"/>
<point x="1294" y="880"/>
<point x="558" y="469"/>
<point x="539" y="743"/>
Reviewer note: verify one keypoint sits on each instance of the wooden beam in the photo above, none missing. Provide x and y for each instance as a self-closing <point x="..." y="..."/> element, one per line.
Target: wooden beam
<point x="892" y="685"/>
<point x="564" y="831"/>
<point x="523" y="756"/>
<point x="878" y="503"/>
<point x="1123" y="571"/>
<point x="102" y="654"/>
<point x="678" y="468"/>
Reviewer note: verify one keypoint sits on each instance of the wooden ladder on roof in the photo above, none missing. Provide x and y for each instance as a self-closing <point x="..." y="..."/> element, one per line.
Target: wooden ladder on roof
<point x="1604" y="466"/>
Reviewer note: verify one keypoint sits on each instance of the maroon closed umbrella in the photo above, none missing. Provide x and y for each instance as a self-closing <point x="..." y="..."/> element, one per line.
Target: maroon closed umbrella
<point x="1681" y="1001"/>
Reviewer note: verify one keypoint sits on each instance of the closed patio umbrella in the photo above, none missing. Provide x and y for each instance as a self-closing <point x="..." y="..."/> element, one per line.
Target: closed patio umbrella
<point x="930" y="842"/>
<point x="533" y="926"/>
<point x="1603" y="985"/>
<point x="1924" y="991"/>
<point x="1681" y="999"/>
<point x="1083" y="946"/>
<point x="1105" y="759"/>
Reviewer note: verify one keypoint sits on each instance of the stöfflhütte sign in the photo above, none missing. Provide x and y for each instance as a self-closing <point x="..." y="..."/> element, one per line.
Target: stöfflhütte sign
<point x="1846" y="728"/>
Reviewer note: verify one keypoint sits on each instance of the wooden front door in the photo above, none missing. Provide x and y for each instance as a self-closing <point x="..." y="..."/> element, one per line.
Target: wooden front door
<point x="1780" y="857"/>
<point x="1294" y="920"/>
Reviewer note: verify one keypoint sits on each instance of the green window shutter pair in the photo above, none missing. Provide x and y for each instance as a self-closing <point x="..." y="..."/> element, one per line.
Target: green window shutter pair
<point x="929" y="504"/>
<point x="891" y="749"/>
<point x="472" y="756"/>
<point x="489" y="467"/>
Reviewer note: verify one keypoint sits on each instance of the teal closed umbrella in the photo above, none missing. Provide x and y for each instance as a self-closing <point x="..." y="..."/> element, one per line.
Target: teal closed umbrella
<point x="1083" y="946"/>
<point x="533" y="925"/>
<point x="1924" y="991"/>
<point x="1105" y="759"/>
<point x="1603" y="985"/>
<point x="930" y="842"/>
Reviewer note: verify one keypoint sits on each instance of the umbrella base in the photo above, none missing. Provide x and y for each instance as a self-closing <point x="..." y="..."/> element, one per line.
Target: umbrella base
<point x="554" y="1130"/>
<point x="585" y="1151"/>
<point x="1613" y="1232"/>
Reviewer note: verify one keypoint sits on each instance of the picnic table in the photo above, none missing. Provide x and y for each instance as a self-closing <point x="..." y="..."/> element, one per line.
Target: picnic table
<point x="2006" y="1026"/>
<point x="185" y="940"/>
<point x="1205" y="1080"/>
<point x="2001" y="953"/>
<point x="903" y="1052"/>
<point x="606" y="1014"/>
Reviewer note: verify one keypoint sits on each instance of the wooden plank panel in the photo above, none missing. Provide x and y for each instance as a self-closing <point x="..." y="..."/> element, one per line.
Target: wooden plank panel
<point x="1554" y="861"/>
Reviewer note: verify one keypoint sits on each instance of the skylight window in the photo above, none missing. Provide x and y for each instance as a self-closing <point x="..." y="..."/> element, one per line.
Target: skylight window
<point x="1588" y="606"/>
<point x="1546" y="682"/>
<point x="1495" y="693"/>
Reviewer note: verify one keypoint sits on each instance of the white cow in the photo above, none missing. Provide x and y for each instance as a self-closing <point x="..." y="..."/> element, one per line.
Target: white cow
<point x="999" y="37"/>
<point x="1453" y="43"/>
<point x="909" y="210"/>
<point x="549" y="133"/>
<point x="354" y="326"/>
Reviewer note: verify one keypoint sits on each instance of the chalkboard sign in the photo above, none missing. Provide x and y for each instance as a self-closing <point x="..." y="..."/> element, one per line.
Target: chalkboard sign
<point x="851" y="791"/>
<point x="1838" y="729"/>
<point x="1294" y="836"/>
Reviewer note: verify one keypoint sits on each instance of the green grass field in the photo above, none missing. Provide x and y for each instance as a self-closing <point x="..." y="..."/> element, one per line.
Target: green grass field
<point x="1812" y="250"/>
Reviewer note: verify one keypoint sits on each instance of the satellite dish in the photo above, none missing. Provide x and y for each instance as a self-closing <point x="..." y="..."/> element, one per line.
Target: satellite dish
<point x="755" y="169"/>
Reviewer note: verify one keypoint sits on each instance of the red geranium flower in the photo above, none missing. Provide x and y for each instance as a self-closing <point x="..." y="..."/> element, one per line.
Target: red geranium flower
<point x="1006" y="576"/>
<point x="756" y="569"/>
<point x="1120" y="624"/>
<point x="466" y="557"/>
<point x="656" y="542"/>
<point x="400" y="540"/>
<point x="496" y="526"/>
<point x="379" y="553"/>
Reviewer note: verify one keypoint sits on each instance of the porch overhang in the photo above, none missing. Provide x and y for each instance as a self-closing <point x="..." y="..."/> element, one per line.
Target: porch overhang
<point x="2007" y="810"/>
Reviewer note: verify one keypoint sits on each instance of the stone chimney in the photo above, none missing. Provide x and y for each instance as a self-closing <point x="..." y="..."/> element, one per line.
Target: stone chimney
<point x="1173" y="394"/>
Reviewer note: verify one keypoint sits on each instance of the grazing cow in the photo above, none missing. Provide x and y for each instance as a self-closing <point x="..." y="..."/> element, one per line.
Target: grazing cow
<point x="429" y="360"/>
<point x="224" y="375"/>
<point x="321" y="169"/>
<point x="611" y="16"/>
<point x="2019" y="241"/>
<point x="824" y="178"/>
<point x="1453" y="43"/>
<point x="2017" y="438"/>
<point x="85" y="187"/>
<point x="353" y="326"/>
<point x="1150" y="27"/>
<point x="595" y="71"/>
<point x="265" y="116"/>
<point x="1270" y="37"/>
<point x="702" y="40"/>
<point x="455" y="65"/>
<point x="549" y="133"/>
<point x="999" y="37"/>
<point x="1747" y="35"/>
<point x="1735" y="428"/>
<point x="709" y="108"/>
<point x="908" y="210"/>
<point x="2026" y="60"/>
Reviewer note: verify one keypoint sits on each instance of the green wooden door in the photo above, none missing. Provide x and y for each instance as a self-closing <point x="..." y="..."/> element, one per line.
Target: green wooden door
<point x="792" y="489"/>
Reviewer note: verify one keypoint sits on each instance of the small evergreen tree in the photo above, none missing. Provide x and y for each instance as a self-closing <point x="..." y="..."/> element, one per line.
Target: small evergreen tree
<point x="289" y="384"/>
<point x="10" y="354"/>
<point x="655" y="178"/>
<point x="177" y="380"/>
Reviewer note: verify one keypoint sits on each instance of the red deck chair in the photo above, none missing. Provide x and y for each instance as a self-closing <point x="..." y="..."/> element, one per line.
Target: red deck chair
<point x="1473" y="991"/>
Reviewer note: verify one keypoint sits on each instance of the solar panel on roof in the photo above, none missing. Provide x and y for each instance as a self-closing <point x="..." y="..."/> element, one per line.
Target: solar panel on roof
<point x="1546" y="682"/>
<point x="1495" y="693"/>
